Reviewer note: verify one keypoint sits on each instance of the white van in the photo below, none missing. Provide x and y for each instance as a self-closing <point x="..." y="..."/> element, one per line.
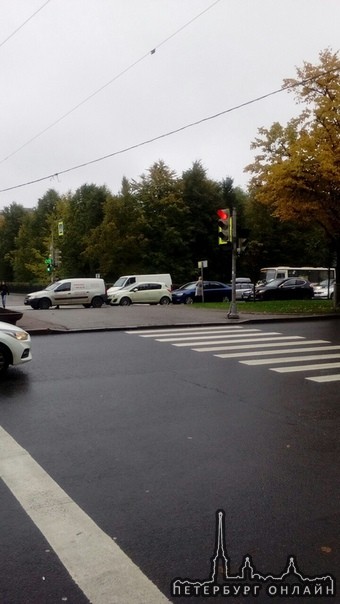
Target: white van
<point x="88" y="292"/>
<point x="127" y="280"/>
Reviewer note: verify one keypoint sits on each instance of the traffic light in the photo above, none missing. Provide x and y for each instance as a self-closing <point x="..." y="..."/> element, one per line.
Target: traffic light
<point x="57" y="257"/>
<point x="241" y="246"/>
<point x="224" y="226"/>
<point x="49" y="264"/>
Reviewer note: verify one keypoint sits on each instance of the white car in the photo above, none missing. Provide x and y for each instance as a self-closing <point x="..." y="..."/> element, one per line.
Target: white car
<point x="243" y="288"/>
<point x="15" y="346"/>
<point x="141" y="293"/>
<point x="321" y="290"/>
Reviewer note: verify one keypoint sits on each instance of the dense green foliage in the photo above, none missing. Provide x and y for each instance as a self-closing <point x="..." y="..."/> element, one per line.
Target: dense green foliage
<point x="296" y="169"/>
<point x="160" y="223"/>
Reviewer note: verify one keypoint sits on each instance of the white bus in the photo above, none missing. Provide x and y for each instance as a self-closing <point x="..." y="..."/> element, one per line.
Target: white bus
<point x="314" y="274"/>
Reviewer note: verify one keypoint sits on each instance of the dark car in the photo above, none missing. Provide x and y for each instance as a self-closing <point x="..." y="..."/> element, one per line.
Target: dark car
<point x="284" y="289"/>
<point x="214" y="291"/>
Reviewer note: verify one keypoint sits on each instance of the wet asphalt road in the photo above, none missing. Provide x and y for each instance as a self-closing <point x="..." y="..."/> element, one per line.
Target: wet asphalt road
<point x="151" y="440"/>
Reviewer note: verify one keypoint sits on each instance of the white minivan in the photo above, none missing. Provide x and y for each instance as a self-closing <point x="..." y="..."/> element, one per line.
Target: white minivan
<point x="127" y="280"/>
<point x="87" y="292"/>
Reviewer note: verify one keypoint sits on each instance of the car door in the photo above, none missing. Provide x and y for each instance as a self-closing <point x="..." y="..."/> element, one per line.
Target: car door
<point x="152" y="293"/>
<point x="208" y="292"/>
<point x="300" y="289"/>
<point x="156" y="292"/>
<point x="213" y="292"/>
<point x="62" y="293"/>
<point x="138" y="293"/>
<point x="289" y="291"/>
<point x="144" y="294"/>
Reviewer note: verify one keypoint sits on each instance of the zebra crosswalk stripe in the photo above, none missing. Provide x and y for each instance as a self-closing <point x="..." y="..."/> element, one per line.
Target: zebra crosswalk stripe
<point x="311" y="357"/>
<point x="305" y="367"/>
<point x="266" y="345"/>
<point x="151" y="333"/>
<point x="333" y="377"/>
<point x="257" y="353"/>
<point x="261" y="339"/>
<point x="184" y="329"/>
<point x="218" y="335"/>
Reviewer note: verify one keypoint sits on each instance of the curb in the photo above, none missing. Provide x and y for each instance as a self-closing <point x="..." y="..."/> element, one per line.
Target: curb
<point x="272" y="319"/>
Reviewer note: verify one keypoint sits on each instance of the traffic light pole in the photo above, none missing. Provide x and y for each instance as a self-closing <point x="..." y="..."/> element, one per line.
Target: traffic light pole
<point x="233" y="314"/>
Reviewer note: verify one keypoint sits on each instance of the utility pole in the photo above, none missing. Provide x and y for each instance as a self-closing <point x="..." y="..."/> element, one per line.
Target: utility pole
<point x="233" y="314"/>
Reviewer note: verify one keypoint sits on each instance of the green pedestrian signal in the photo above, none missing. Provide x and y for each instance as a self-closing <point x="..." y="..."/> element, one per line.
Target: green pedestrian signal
<point x="49" y="264"/>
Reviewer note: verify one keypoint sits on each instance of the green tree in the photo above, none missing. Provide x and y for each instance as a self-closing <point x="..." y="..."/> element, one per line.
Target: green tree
<point x="12" y="219"/>
<point x="117" y="243"/>
<point x="82" y="213"/>
<point x="35" y="240"/>
<point x="296" y="173"/>
<point x="203" y="197"/>
<point x="30" y="253"/>
<point x="164" y="221"/>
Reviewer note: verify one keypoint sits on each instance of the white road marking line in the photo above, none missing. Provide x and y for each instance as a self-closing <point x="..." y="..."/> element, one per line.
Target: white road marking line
<point x="208" y="337"/>
<point x="305" y="367"/>
<point x="194" y="332"/>
<point x="247" y="346"/>
<point x="152" y="332"/>
<point x="99" y="567"/>
<point x="335" y="377"/>
<point x="257" y="353"/>
<point x="310" y="357"/>
<point x="233" y="341"/>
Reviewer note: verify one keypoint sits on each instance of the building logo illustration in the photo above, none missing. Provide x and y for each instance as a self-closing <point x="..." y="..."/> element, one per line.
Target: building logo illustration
<point x="248" y="581"/>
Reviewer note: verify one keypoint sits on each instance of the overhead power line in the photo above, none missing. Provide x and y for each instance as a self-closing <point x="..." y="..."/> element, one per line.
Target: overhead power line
<point x="116" y="77"/>
<point x="171" y="132"/>
<point x="23" y="24"/>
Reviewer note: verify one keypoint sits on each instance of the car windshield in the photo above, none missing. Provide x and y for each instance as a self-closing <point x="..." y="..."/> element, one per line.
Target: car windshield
<point x="52" y="286"/>
<point x="275" y="283"/>
<point x="120" y="282"/>
<point x="325" y="283"/>
<point x="188" y="285"/>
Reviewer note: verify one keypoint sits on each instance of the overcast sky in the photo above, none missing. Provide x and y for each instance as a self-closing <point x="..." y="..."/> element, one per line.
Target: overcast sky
<point x="97" y="55"/>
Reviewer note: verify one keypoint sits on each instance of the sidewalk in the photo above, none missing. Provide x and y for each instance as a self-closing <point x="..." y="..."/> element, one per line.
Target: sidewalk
<point x="75" y="319"/>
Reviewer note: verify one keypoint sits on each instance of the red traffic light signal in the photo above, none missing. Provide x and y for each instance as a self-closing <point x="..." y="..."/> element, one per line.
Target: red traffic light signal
<point x="224" y="226"/>
<point x="223" y="214"/>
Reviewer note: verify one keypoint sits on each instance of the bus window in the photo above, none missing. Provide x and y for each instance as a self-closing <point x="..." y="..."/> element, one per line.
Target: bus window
<point x="311" y="273"/>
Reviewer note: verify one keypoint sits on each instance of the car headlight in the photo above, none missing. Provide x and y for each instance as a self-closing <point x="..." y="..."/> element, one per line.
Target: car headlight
<point x="18" y="335"/>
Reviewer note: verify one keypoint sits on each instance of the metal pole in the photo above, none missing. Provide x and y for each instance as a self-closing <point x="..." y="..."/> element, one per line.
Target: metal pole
<point x="233" y="314"/>
<point x="201" y="265"/>
<point x="52" y="252"/>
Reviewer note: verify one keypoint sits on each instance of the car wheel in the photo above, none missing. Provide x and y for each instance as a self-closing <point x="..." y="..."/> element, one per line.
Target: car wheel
<point x="188" y="300"/>
<point x="125" y="302"/>
<point x="97" y="302"/>
<point x="4" y="359"/>
<point x="165" y="300"/>
<point x="44" y="304"/>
